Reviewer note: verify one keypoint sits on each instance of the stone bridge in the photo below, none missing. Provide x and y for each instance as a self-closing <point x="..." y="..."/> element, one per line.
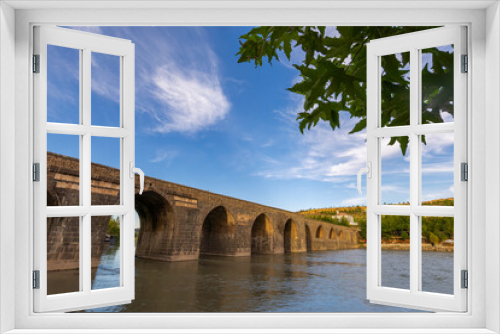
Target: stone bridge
<point x="180" y="223"/>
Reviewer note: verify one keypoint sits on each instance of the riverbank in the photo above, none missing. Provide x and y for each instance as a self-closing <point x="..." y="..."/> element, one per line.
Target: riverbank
<point x="406" y="247"/>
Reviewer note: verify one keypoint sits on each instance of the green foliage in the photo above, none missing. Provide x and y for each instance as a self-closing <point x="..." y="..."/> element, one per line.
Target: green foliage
<point x="344" y="221"/>
<point x="439" y="227"/>
<point x="394" y="226"/>
<point x="433" y="238"/>
<point x="333" y="74"/>
<point x="114" y="227"/>
<point x="362" y="227"/>
<point x="329" y="219"/>
<point x="435" y="229"/>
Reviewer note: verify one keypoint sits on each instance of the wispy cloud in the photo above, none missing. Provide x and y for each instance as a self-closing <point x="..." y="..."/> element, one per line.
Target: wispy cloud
<point x="179" y="82"/>
<point x="106" y="76"/>
<point x="354" y="201"/>
<point x="268" y="143"/>
<point x="192" y="100"/>
<point x="183" y="81"/>
<point x="163" y="156"/>
<point x="320" y="154"/>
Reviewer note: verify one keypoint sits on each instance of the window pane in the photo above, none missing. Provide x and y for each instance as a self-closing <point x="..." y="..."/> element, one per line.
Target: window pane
<point x="63" y="170"/>
<point x="437" y="169"/>
<point x="63" y="85"/>
<point x="437" y="254"/>
<point x="395" y="170"/>
<point x="106" y="252"/>
<point x="105" y="90"/>
<point x="395" y="259"/>
<point x="105" y="171"/>
<point x="63" y="255"/>
<point x="437" y="84"/>
<point x="395" y="77"/>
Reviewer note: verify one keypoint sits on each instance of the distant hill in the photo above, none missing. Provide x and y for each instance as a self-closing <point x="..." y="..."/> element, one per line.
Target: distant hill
<point x="359" y="212"/>
<point x="434" y="229"/>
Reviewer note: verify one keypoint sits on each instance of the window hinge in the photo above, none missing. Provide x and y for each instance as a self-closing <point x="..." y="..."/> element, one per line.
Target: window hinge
<point x="465" y="279"/>
<point x="465" y="64"/>
<point x="464" y="171"/>
<point x="36" y="279"/>
<point x="36" y="63"/>
<point x="36" y="172"/>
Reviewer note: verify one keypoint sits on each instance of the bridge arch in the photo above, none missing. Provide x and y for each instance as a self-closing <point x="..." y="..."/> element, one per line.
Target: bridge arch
<point x="217" y="233"/>
<point x="291" y="236"/>
<point x="156" y="219"/>
<point x="319" y="232"/>
<point x="340" y="234"/>
<point x="332" y="234"/>
<point x="308" y="238"/>
<point x="262" y="235"/>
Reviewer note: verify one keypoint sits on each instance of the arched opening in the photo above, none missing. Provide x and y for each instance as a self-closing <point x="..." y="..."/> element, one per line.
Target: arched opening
<point x="340" y="234"/>
<point x="217" y="233"/>
<point x="308" y="238"/>
<point x="291" y="236"/>
<point x="262" y="235"/>
<point x="154" y="220"/>
<point x="319" y="232"/>
<point x="332" y="234"/>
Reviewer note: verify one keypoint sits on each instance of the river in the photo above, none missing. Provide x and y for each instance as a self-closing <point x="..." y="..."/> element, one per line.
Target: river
<point x="322" y="281"/>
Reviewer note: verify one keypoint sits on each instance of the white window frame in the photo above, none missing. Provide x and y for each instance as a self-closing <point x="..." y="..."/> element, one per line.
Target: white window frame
<point x="483" y="21"/>
<point x="414" y="43"/>
<point x="86" y="43"/>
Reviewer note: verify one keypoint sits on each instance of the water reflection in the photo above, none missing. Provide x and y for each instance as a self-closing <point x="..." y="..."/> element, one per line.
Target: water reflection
<point x="323" y="281"/>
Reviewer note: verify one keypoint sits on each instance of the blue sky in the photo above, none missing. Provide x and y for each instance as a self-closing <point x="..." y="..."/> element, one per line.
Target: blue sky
<point x="205" y="121"/>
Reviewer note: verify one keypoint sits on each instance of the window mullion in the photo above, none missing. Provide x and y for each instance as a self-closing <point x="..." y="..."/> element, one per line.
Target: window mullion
<point x="414" y="171"/>
<point x="85" y="162"/>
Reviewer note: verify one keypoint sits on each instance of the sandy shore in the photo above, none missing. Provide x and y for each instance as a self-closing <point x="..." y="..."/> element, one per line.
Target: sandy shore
<point x="406" y="247"/>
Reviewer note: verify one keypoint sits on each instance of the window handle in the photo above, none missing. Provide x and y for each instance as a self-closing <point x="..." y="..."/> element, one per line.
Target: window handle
<point x="133" y="171"/>
<point x="368" y="171"/>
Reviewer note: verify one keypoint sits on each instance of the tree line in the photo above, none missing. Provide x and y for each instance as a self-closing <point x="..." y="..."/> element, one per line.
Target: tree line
<point x="328" y="219"/>
<point x="434" y="229"/>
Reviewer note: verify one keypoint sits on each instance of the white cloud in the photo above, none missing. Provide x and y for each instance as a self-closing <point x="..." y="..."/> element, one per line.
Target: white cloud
<point x="105" y="72"/>
<point x="92" y="29"/>
<point x="163" y="156"/>
<point x="320" y="154"/>
<point x="351" y="185"/>
<point x="354" y="201"/>
<point x="268" y="143"/>
<point x="395" y="189"/>
<point x="106" y="76"/>
<point x="183" y="78"/>
<point x="438" y="168"/>
<point x="179" y="82"/>
<point x="438" y="144"/>
<point x="437" y="195"/>
<point x="193" y="100"/>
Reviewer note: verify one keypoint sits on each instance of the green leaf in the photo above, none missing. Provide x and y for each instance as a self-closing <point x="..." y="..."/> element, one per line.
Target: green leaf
<point x="359" y="126"/>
